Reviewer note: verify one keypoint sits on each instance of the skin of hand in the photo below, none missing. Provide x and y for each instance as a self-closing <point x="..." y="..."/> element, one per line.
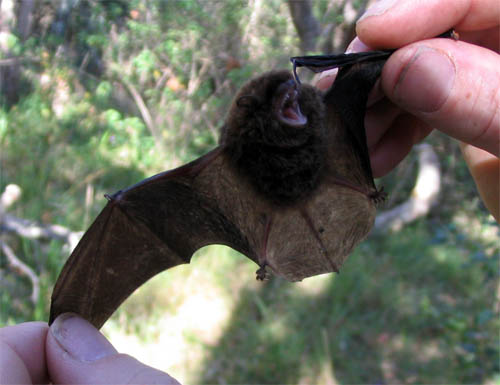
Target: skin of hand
<point x="452" y="86"/>
<point x="71" y="351"/>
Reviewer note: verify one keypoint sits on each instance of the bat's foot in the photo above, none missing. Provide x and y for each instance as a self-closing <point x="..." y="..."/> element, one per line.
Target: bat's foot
<point x="262" y="274"/>
<point x="378" y="196"/>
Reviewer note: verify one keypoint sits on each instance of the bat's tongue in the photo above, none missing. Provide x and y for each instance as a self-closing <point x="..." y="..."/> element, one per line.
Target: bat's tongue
<point x="288" y="105"/>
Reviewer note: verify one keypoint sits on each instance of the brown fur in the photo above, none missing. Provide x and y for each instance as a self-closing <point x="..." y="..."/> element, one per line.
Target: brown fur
<point x="283" y="162"/>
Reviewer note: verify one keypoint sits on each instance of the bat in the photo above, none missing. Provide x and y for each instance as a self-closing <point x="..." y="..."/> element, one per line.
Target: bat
<point x="289" y="186"/>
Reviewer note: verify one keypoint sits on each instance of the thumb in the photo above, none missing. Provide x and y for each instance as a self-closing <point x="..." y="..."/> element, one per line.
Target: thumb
<point x="78" y="353"/>
<point x="452" y="86"/>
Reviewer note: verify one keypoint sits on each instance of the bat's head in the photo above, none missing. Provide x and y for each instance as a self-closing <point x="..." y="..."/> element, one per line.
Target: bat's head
<point x="275" y="110"/>
<point x="275" y="134"/>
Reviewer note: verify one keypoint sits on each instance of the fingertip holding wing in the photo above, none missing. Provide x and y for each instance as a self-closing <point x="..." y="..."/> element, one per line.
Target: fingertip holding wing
<point x="321" y="63"/>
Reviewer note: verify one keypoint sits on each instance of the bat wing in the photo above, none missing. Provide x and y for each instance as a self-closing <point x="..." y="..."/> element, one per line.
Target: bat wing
<point x="348" y="96"/>
<point x="346" y="106"/>
<point x="152" y="226"/>
<point x="346" y="100"/>
<point x="160" y="222"/>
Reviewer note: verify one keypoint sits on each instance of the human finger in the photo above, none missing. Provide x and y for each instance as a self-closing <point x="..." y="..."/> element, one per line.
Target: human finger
<point x="396" y="143"/>
<point x="78" y="353"/>
<point x="452" y="86"/>
<point x="22" y="353"/>
<point x="378" y="118"/>
<point x="411" y="20"/>
<point x="485" y="169"/>
<point x="325" y="79"/>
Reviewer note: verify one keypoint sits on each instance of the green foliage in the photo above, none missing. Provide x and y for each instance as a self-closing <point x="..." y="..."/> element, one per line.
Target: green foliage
<point x="144" y="62"/>
<point x="103" y="92"/>
<point x="11" y="43"/>
<point x="3" y="125"/>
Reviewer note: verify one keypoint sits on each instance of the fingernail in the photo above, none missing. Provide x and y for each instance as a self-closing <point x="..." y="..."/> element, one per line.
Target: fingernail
<point x="426" y="81"/>
<point x="378" y="8"/>
<point x="326" y="79"/>
<point x="80" y="339"/>
<point x="357" y="46"/>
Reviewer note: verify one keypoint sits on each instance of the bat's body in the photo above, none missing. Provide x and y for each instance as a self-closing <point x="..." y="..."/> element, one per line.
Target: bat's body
<point x="290" y="186"/>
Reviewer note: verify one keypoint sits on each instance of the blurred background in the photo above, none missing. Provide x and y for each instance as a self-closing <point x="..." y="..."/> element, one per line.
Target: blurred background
<point x="96" y="95"/>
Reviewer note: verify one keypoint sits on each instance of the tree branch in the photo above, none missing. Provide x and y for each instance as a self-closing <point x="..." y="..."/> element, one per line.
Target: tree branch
<point x="424" y="195"/>
<point x="21" y="268"/>
<point x="30" y="229"/>
<point x="306" y="24"/>
<point x="146" y="115"/>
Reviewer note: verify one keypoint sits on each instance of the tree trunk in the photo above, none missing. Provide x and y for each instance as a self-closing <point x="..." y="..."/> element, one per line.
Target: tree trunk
<point x="306" y="24"/>
<point x="25" y="18"/>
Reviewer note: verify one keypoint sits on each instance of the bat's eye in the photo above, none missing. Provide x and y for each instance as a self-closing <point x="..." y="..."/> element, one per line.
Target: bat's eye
<point x="247" y="102"/>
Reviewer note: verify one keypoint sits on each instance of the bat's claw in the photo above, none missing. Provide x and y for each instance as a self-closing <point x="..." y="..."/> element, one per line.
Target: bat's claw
<point x="378" y="196"/>
<point x="262" y="273"/>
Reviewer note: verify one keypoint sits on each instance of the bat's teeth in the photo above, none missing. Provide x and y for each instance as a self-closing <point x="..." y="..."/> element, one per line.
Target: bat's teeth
<point x="288" y="111"/>
<point x="286" y="99"/>
<point x="290" y="100"/>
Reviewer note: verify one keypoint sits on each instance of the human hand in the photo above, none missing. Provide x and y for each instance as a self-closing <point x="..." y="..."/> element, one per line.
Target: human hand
<point x="70" y="351"/>
<point x="453" y="86"/>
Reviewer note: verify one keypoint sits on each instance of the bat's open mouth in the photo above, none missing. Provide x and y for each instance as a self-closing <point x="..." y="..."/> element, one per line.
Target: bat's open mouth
<point x="287" y="105"/>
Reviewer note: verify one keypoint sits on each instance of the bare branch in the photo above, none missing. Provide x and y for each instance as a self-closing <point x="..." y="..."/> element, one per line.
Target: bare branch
<point x="16" y="60"/>
<point x="146" y="115"/>
<point x="423" y="196"/>
<point x="32" y="230"/>
<point x="11" y="194"/>
<point x="21" y="268"/>
<point x="9" y="62"/>
<point x="256" y="7"/>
